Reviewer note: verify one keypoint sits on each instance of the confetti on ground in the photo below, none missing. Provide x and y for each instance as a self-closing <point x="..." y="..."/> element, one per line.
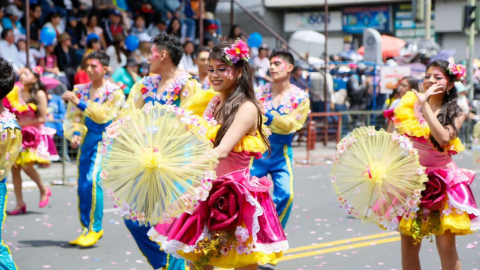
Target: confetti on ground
<point x="470" y="246"/>
<point x="85" y="257"/>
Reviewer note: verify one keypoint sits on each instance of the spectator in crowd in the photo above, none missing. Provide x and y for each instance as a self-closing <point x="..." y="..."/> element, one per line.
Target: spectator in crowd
<point x="262" y="64"/>
<point x="143" y="52"/>
<point x="70" y="29"/>
<point x="48" y="6"/>
<point x="2" y="13"/>
<point x="33" y="54"/>
<point x="236" y="33"/>
<point x="81" y="77"/>
<point x="168" y="8"/>
<point x="159" y="26"/>
<point x="357" y="90"/>
<point x="93" y="28"/>
<point x="211" y="6"/>
<point x="211" y="33"/>
<point x="103" y="6"/>
<point x="202" y="63"/>
<point x="406" y="84"/>
<point x="145" y="8"/>
<point x="49" y="63"/>
<point x="11" y="21"/>
<point x="93" y="44"/>
<point x="208" y="43"/>
<point x="189" y="20"/>
<point x="188" y="60"/>
<point x="144" y="69"/>
<point x="66" y="57"/>
<point x="317" y="93"/>
<point x="139" y="28"/>
<point x="297" y="78"/>
<point x="115" y="51"/>
<point x="53" y="21"/>
<point x="113" y="26"/>
<point x="127" y="75"/>
<point x="8" y="49"/>
<point x="209" y="18"/>
<point x="55" y="115"/>
<point x="35" y="25"/>
<point x="175" y="28"/>
<point x="80" y="32"/>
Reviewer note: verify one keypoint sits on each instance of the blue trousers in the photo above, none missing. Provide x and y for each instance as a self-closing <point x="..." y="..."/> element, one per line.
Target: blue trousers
<point x="90" y="193"/>
<point x="279" y="166"/>
<point x="6" y="260"/>
<point x="151" y="250"/>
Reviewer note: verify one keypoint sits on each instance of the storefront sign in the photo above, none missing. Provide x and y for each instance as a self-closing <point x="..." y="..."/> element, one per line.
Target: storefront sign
<point x="357" y="19"/>
<point x="390" y="78"/>
<point x="294" y="21"/>
<point x="405" y="26"/>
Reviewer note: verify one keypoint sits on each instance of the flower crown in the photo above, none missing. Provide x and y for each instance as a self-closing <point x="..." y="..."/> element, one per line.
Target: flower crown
<point x="457" y="70"/>
<point x="238" y="51"/>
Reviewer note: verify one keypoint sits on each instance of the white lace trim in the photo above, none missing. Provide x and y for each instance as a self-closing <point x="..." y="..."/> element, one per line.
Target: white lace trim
<point x="465" y="208"/>
<point x="475" y="224"/>
<point x="172" y="246"/>
<point x="258" y="212"/>
<point x="276" y="247"/>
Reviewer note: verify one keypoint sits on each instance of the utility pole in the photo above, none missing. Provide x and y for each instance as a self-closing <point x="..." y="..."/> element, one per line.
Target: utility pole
<point x="470" y="49"/>
<point x="428" y="18"/>
<point x="325" y="103"/>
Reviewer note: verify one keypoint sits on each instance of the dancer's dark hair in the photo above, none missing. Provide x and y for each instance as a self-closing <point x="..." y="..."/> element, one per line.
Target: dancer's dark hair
<point x="172" y="45"/>
<point x="243" y="92"/>
<point x="7" y="78"/>
<point x="450" y="109"/>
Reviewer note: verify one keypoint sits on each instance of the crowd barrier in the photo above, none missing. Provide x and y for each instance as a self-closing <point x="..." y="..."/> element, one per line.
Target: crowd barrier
<point x="320" y="128"/>
<point x="330" y="127"/>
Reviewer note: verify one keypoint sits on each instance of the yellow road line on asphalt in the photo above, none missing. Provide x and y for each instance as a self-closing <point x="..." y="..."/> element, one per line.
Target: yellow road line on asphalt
<point x="339" y="248"/>
<point x="343" y="241"/>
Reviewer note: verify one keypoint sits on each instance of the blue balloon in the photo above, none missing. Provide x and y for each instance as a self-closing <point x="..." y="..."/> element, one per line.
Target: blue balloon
<point x="48" y="35"/>
<point x="255" y="40"/>
<point x="132" y="43"/>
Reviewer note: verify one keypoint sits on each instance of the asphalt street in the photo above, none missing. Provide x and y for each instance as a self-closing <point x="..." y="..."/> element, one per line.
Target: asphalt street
<point x="320" y="234"/>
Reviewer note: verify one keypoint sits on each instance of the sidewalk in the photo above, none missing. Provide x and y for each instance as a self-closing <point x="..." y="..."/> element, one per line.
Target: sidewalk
<point x="53" y="174"/>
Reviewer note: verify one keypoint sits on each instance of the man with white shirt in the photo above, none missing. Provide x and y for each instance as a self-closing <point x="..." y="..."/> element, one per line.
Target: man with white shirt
<point x="8" y="49"/>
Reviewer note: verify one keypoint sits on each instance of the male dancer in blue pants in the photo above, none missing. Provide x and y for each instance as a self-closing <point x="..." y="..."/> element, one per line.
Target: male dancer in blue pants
<point x="10" y="145"/>
<point x="166" y="53"/>
<point x="91" y="108"/>
<point x="286" y="108"/>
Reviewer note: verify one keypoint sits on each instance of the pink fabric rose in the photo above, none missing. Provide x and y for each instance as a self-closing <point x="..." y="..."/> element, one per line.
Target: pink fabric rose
<point x="225" y="206"/>
<point x="31" y="137"/>
<point x="434" y="193"/>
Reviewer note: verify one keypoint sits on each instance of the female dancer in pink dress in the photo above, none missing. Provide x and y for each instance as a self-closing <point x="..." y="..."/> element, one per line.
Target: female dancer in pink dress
<point x="447" y="206"/>
<point x="29" y="103"/>
<point x="237" y="225"/>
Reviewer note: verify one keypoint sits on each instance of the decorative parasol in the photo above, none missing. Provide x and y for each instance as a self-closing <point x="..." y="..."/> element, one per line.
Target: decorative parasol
<point x="157" y="163"/>
<point x="377" y="176"/>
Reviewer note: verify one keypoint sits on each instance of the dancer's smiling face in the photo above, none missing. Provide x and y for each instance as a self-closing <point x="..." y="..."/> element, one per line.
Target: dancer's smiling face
<point x="222" y="76"/>
<point x="435" y="75"/>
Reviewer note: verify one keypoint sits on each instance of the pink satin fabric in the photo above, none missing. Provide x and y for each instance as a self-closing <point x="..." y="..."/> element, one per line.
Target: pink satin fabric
<point x="234" y="171"/>
<point x="458" y="180"/>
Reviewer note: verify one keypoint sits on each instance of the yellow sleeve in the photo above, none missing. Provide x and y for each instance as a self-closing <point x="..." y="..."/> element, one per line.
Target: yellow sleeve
<point x="10" y="146"/>
<point x="189" y="89"/>
<point x="107" y="111"/>
<point x="199" y="102"/>
<point x="134" y="101"/>
<point x="74" y="122"/>
<point x="288" y="123"/>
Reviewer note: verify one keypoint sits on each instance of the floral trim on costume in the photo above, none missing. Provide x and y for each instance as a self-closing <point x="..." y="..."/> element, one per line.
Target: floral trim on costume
<point x="83" y="92"/>
<point x="172" y="91"/>
<point x="292" y="100"/>
<point x="7" y="120"/>
<point x="409" y="120"/>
